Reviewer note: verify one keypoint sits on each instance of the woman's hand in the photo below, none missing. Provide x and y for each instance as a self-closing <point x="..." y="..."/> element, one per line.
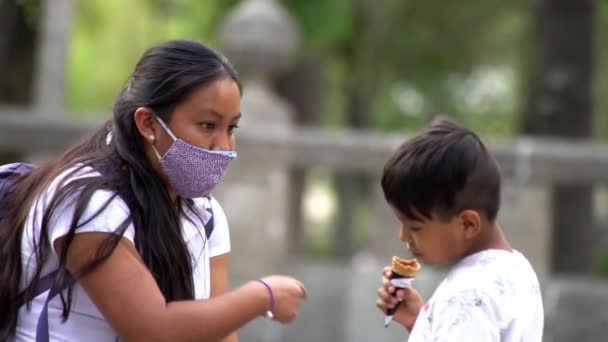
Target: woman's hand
<point x="388" y="297"/>
<point x="288" y="293"/>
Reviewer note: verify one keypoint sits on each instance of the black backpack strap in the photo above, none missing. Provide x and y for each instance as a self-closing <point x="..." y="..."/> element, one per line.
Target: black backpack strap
<point x="6" y="172"/>
<point x="44" y="284"/>
<point x="15" y="169"/>
<point x="210" y="224"/>
<point x="51" y="283"/>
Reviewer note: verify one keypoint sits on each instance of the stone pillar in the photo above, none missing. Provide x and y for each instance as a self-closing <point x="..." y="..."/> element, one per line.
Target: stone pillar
<point x="260" y="39"/>
<point x="50" y="82"/>
<point x="384" y="228"/>
<point x="51" y="64"/>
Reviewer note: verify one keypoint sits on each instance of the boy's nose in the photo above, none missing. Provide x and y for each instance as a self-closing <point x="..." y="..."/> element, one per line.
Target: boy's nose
<point x="404" y="235"/>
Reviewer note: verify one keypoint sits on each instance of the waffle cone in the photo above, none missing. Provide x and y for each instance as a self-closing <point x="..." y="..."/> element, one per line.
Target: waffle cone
<point x="407" y="268"/>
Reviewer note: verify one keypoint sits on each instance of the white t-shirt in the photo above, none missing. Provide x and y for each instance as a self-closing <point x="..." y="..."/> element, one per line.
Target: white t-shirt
<point x="85" y="321"/>
<point x="493" y="295"/>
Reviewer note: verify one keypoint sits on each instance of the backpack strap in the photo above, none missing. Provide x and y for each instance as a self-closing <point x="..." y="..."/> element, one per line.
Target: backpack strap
<point x="44" y="284"/>
<point x="6" y="171"/>
<point x="210" y="224"/>
<point x="48" y="282"/>
<point x="42" y="327"/>
<point x="51" y="284"/>
<point x="20" y="169"/>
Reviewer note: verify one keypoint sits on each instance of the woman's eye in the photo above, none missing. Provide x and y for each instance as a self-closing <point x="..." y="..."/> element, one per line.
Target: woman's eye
<point x="208" y="125"/>
<point x="232" y="128"/>
<point x="415" y="229"/>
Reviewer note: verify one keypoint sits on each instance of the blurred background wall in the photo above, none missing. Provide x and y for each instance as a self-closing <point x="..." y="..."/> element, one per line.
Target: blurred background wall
<point x="331" y="88"/>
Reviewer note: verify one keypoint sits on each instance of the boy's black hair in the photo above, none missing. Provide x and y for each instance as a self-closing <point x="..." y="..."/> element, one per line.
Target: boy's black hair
<point x="441" y="171"/>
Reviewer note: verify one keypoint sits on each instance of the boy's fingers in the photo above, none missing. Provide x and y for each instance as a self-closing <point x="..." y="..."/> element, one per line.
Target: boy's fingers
<point x="387" y="298"/>
<point x="406" y="293"/>
<point x="409" y="292"/>
<point x="387" y="285"/>
<point x="400" y="294"/>
<point x="381" y="305"/>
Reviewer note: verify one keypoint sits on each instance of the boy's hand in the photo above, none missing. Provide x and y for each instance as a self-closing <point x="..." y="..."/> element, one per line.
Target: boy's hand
<point x="410" y="307"/>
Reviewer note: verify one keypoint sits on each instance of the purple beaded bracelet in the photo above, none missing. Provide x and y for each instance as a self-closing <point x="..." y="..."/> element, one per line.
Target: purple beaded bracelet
<point x="269" y="313"/>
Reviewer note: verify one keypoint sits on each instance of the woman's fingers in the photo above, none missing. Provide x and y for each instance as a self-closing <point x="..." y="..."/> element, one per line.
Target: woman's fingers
<point x="304" y="290"/>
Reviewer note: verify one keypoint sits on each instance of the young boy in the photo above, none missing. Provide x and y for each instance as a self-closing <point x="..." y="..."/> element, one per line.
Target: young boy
<point x="444" y="187"/>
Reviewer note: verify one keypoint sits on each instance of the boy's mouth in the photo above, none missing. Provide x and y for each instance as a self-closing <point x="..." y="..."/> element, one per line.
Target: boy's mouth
<point x="413" y="252"/>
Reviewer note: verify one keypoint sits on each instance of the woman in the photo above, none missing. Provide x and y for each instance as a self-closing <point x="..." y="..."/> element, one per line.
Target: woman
<point x="127" y="213"/>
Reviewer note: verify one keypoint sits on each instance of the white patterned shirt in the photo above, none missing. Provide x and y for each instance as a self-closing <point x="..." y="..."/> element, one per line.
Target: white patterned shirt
<point x="493" y="295"/>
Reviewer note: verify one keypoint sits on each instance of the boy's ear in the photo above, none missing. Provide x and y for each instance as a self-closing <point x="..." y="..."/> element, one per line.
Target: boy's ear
<point x="471" y="223"/>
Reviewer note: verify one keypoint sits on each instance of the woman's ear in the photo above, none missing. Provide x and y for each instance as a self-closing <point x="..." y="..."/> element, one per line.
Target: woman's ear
<point x="471" y="223"/>
<point x="146" y="124"/>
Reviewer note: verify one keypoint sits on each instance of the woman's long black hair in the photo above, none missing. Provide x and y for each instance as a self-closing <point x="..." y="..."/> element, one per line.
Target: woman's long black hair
<point x="165" y="76"/>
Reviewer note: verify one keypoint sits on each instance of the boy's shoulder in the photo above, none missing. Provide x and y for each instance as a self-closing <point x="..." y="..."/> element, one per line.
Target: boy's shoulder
<point x="483" y="294"/>
<point x="498" y="285"/>
<point x="498" y="274"/>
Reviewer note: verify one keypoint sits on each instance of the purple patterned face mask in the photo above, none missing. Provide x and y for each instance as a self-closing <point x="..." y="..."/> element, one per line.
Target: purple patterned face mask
<point x="193" y="171"/>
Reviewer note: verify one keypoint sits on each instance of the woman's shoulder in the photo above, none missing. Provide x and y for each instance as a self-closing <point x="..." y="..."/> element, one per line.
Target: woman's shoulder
<point x="100" y="197"/>
<point x="209" y="203"/>
<point x="71" y="174"/>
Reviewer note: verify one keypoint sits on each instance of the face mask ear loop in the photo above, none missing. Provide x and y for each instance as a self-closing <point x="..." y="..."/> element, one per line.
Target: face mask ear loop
<point x="165" y="127"/>
<point x="156" y="152"/>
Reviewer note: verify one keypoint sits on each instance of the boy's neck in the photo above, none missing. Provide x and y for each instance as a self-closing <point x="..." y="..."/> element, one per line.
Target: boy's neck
<point x="494" y="238"/>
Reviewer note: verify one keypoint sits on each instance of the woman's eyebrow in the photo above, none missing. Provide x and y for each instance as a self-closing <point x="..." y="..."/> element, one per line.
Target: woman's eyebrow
<point x="221" y="116"/>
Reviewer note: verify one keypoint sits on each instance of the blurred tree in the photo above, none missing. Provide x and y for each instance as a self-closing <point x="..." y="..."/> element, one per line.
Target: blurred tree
<point x="601" y="71"/>
<point x="559" y="104"/>
<point x="387" y="64"/>
<point x="110" y="35"/>
<point x="372" y="54"/>
<point x="357" y="55"/>
<point x="19" y="24"/>
<point x="18" y="42"/>
<point x="601" y="119"/>
<point x="369" y="48"/>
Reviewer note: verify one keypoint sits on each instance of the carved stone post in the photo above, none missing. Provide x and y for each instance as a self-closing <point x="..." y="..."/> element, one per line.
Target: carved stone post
<point x="56" y="28"/>
<point x="260" y="39"/>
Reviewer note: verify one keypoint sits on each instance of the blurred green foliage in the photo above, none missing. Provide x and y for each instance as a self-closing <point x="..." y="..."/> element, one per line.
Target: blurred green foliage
<point x="409" y="59"/>
<point x="419" y="57"/>
<point x="414" y="59"/>
<point x="110" y="36"/>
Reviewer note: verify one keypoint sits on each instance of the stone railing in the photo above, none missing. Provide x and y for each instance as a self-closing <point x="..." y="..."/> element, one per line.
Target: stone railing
<point x="528" y="160"/>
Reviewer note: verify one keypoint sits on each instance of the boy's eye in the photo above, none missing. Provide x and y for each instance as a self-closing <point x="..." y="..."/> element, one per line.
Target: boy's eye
<point x="415" y="229"/>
